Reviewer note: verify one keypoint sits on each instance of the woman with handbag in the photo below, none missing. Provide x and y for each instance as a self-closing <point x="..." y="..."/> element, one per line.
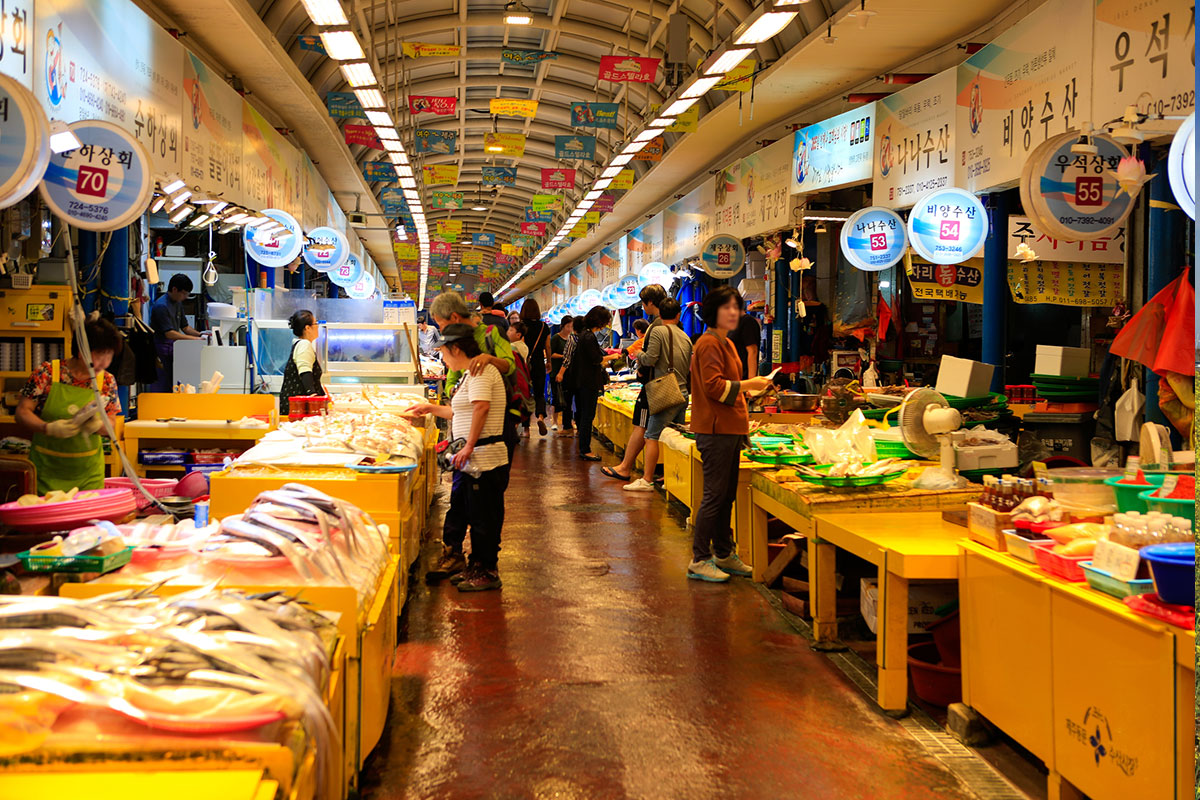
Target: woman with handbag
<point x="589" y="376"/>
<point x="668" y="350"/>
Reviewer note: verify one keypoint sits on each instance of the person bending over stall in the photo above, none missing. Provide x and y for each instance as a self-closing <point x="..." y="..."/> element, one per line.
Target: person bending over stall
<point x="721" y="423"/>
<point x="66" y="448"/>
<point x="587" y="367"/>
<point x="480" y="462"/>
<point x="302" y="375"/>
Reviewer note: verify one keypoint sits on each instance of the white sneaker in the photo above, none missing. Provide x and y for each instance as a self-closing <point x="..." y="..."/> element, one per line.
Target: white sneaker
<point x="706" y="571"/>
<point x="640" y="485"/>
<point x="554" y="426"/>
<point x="733" y="565"/>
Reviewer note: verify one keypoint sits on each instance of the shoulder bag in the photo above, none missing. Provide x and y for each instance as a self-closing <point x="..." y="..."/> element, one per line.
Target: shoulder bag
<point x="663" y="392"/>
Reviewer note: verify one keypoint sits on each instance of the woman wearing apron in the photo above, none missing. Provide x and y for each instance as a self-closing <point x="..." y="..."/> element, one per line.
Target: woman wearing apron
<point x="302" y="375"/>
<point x="66" y="452"/>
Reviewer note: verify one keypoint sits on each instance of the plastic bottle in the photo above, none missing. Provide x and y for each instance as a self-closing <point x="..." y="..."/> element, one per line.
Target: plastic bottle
<point x="1156" y="530"/>
<point x="989" y="491"/>
<point x="1006" y="503"/>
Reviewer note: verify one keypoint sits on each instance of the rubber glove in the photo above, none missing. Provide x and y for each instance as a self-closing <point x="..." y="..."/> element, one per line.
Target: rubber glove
<point x="94" y="424"/>
<point x="62" y="429"/>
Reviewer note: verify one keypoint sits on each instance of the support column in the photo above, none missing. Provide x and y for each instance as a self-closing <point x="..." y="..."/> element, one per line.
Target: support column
<point x="114" y="275"/>
<point x="781" y="313"/>
<point x="995" y="286"/>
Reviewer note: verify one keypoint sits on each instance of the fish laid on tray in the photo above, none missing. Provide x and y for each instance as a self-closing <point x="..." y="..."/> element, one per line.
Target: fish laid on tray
<point x="374" y="433"/>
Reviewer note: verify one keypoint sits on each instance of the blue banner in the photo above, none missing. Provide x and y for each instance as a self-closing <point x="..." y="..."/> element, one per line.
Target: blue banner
<point x="439" y="261"/>
<point x="533" y="216"/>
<point x="499" y="176"/>
<point x="343" y="105"/>
<point x="526" y="57"/>
<point x="379" y="171"/>
<point x="483" y="239"/>
<point x="312" y="43"/>
<point x="575" y="147"/>
<point x="440" y="142"/>
<point x="393" y="202"/>
<point x="594" y="115"/>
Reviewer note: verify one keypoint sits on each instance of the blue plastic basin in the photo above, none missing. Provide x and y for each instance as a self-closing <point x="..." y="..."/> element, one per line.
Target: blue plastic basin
<point x="1173" y="567"/>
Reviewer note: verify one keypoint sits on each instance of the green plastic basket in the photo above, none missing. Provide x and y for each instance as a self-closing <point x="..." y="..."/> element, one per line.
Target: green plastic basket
<point x="1184" y="507"/>
<point x="1128" y="493"/>
<point x="993" y="398"/>
<point x="777" y="459"/>
<point x="1109" y="584"/>
<point x="98" y="564"/>
<point x="890" y="449"/>
<point x="849" y="481"/>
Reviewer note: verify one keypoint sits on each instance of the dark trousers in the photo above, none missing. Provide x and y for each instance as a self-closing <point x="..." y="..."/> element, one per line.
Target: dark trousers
<point x="713" y="535"/>
<point x="537" y="385"/>
<point x="562" y="403"/>
<point x="477" y="503"/>
<point x="585" y="414"/>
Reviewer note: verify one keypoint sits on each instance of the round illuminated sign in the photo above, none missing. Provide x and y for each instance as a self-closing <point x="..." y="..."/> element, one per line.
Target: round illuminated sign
<point x="276" y="248"/>
<point x="1075" y="196"/>
<point x="723" y="256"/>
<point x="325" y="249"/>
<point x="362" y="288"/>
<point x="589" y="300"/>
<point x="608" y="296"/>
<point x="874" y="239"/>
<point x="554" y="316"/>
<point x="628" y="290"/>
<point x="24" y="142"/>
<point x="1181" y="165"/>
<point x="102" y="185"/>
<point x="947" y="226"/>
<point x="655" y="272"/>
<point x="348" y="274"/>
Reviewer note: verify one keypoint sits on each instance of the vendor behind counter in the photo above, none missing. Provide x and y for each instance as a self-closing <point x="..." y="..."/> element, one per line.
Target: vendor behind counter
<point x="170" y="325"/>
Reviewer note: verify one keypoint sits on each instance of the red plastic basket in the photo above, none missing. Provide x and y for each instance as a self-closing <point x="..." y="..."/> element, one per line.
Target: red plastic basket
<point x="159" y="487"/>
<point x="1060" y="566"/>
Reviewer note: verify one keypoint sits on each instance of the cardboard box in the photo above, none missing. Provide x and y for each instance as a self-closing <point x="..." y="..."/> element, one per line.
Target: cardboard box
<point x="986" y="526"/>
<point x="962" y="377"/>
<point x="923" y="599"/>
<point x="1065" y="362"/>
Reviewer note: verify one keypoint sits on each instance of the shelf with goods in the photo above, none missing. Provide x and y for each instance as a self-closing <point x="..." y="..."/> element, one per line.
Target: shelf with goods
<point x="187" y="422"/>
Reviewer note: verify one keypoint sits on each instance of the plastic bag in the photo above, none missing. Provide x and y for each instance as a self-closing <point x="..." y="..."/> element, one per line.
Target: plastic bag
<point x="851" y="443"/>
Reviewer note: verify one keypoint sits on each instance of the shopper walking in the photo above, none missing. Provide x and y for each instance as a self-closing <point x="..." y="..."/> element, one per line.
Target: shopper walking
<point x="721" y="423"/>
<point x="480" y="460"/>
<point x="560" y="393"/>
<point x="492" y="315"/>
<point x="587" y="366"/>
<point x="651" y="296"/>
<point x="537" y="337"/>
<point x="668" y="352"/>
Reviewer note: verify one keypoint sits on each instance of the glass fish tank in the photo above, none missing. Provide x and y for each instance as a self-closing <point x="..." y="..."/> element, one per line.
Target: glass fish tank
<point x="355" y="353"/>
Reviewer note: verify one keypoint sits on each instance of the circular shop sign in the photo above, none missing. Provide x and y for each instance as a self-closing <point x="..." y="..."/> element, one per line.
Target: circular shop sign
<point x="608" y="296"/>
<point x="24" y="142"/>
<point x="723" y="256"/>
<point x="102" y="185"/>
<point x="554" y="316"/>
<point x="325" y="249"/>
<point x="362" y="288"/>
<point x="947" y="226"/>
<point x="655" y="272"/>
<point x="1075" y="197"/>
<point x="589" y="300"/>
<point x="874" y="239"/>
<point x="348" y="274"/>
<point x="276" y="249"/>
<point x="1181" y="165"/>
<point x="628" y="290"/>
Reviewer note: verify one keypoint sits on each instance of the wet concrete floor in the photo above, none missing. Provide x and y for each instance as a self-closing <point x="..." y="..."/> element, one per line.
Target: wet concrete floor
<point x="599" y="671"/>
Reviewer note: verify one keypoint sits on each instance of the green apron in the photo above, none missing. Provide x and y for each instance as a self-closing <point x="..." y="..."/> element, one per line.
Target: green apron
<point x="67" y="463"/>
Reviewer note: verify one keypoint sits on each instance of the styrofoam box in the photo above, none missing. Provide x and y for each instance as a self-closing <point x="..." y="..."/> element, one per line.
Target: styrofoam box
<point x="923" y="600"/>
<point x="1065" y="362"/>
<point x="986" y="456"/>
<point x="962" y="377"/>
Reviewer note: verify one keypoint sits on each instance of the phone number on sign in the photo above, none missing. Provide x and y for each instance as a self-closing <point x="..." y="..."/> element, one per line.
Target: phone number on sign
<point x="88" y="211"/>
<point x="1175" y="103"/>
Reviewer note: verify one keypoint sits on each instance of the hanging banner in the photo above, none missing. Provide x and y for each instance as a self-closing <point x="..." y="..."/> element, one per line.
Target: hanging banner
<point x="874" y="239"/>
<point x="534" y="228"/>
<point x="102" y="185"/>
<point x="1076" y="197"/>
<point x="505" y="258"/>
<point x="752" y="195"/>
<point x="362" y="134"/>
<point x="439" y="249"/>
<point x="276" y="249"/>
<point x="604" y="203"/>
<point x="834" y="153"/>
<point x="914" y="149"/>
<point x="653" y="151"/>
<point x="575" y="148"/>
<point x="439" y="142"/>
<point x="526" y="57"/>
<point x="508" y="107"/>
<point x="393" y="201"/>
<point x="379" y="171"/>
<point x="722" y="256"/>
<point x="1066" y="283"/>
<point x="558" y="178"/>
<point x="405" y="251"/>
<point x="472" y="258"/>
<point x="426" y="50"/>
<point x="505" y="144"/>
<point x="1144" y="55"/>
<point x="483" y="239"/>
<point x="1031" y="83"/>
<point x="687" y="122"/>
<point x="510" y="250"/>
<point x="740" y="78"/>
<point x="446" y="236"/>
<point x="947" y="226"/>
<point x="623" y="181"/>
<point x="311" y="42"/>
<point x="538" y="216"/>
<point x="425" y="103"/>
<point x="498" y="176"/>
<point x="1102" y="250"/>
<point x="687" y="224"/>
<point x="448" y="199"/>
<point x="594" y="115"/>
<point x="344" y="105"/>
<point x="962" y="283"/>
<point x="347" y="274"/>
<point x="452" y="226"/>
<point x="579" y="231"/>
<point x="212" y="142"/>
<point x="545" y="202"/>
<point x="591" y="217"/>
<point x="1181" y="166"/>
<point x="522" y="241"/>
<point x="439" y="173"/>
<point x="325" y="248"/>
<point x="628" y="69"/>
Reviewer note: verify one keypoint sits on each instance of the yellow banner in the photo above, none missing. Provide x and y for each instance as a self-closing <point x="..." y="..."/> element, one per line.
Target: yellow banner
<point x="505" y="144"/>
<point x="1065" y="283"/>
<point x="685" y="122"/>
<point x="405" y="251"/>
<point x="736" y="80"/>
<point x="579" y="231"/>
<point x="591" y="217"/>
<point x="453" y="226"/>
<point x="507" y="107"/>
<point x="510" y="250"/>
<point x="624" y="180"/>
<point x="472" y="258"/>
<point x="962" y="283"/>
<point x="440" y="173"/>
<point x="425" y="50"/>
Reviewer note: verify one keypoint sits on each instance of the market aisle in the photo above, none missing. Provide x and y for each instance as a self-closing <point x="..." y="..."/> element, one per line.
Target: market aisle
<point x="600" y="671"/>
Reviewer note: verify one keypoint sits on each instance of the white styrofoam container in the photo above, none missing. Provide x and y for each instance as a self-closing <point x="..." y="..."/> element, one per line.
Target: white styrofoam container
<point x="962" y="377"/>
<point x="1065" y="362"/>
<point x="986" y="456"/>
<point x="923" y="600"/>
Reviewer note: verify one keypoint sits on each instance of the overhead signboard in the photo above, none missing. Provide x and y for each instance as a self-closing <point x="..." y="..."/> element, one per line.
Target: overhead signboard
<point x="269" y="164"/>
<point x="102" y="185"/>
<point x="325" y="249"/>
<point x="498" y="176"/>
<point x="1076" y="197"/>
<point x="347" y="274"/>
<point x="504" y="144"/>
<point x="947" y="226"/>
<point x="836" y="152"/>
<point x="508" y="107"/>
<point x="17" y="42"/>
<point x="960" y="283"/>
<point x="594" y="115"/>
<point x="1101" y="250"/>
<point x="24" y="141"/>
<point x="1066" y="283"/>
<point x="874" y="239"/>
<point x="278" y="248"/>
<point x="914" y="141"/>
<point x="628" y="69"/>
<point x="439" y="173"/>
<point x="428" y="50"/>
<point x="1144" y="55"/>
<point x="575" y="148"/>
<point x="212" y="132"/>
<point x="753" y="195"/>
<point x="436" y="142"/>
<point x="723" y="256"/>
<point x="558" y="178"/>
<point x="1181" y="166"/>
<point x="432" y="104"/>
<point x="344" y="105"/>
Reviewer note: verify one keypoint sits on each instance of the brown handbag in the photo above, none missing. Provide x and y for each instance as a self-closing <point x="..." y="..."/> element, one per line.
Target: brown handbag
<point x="663" y="392"/>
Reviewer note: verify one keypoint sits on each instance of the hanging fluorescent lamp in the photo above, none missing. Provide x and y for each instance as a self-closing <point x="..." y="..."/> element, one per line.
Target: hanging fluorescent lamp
<point x="174" y="184"/>
<point x="699" y="88"/>
<point x="411" y="194"/>
<point x="603" y="183"/>
<point x="62" y="138"/>
<point x="179" y="199"/>
<point x="358" y="74"/>
<point x="516" y="13"/>
<point x="201" y="221"/>
<point x="392" y="146"/>
<point x="180" y="215"/>
<point x="592" y="195"/>
<point x="404" y="171"/>
<point x="325" y="12"/>
<point x="160" y="200"/>
<point x="766" y="26"/>
<point x="662" y="122"/>
<point x="380" y="118"/>
<point x="370" y="98"/>
<point x="728" y="60"/>
<point x="633" y="147"/>
<point x="386" y="132"/>
<point x="342" y="45"/>
<point x="622" y="160"/>
<point x="399" y="158"/>
<point x="408" y="183"/>
<point x="678" y="107"/>
<point x="611" y="172"/>
<point x="647" y="135"/>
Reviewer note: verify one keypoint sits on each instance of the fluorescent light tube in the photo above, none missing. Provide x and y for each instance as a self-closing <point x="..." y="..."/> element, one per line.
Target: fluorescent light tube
<point x="728" y="60"/>
<point x="765" y="27"/>
<point x="342" y="45"/>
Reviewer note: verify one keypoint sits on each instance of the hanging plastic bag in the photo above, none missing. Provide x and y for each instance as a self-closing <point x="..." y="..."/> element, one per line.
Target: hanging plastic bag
<point x="1129" y="414"/>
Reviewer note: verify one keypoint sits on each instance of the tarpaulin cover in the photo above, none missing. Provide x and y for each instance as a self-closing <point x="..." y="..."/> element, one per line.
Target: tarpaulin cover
<point x="1161" y="334"/>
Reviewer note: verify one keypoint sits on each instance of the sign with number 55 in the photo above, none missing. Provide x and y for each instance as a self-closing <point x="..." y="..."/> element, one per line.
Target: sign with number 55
<point x="102" y="185"/>
<point x="1075" y="196"/>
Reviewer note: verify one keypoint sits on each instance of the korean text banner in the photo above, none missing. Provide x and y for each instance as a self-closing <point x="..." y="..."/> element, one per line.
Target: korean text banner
<point x="424" y="103"/>
<point x="594" y="115"/>
<point x="623" y="180"/>
<point x="362" y="134"/>
<point x="447" y="199"/>
<point x="510" y="250"/>
<point x="505" y="144"/>
<point x="454" y="226"/>
<point x="687" y="122"/>
<point x="212" y="143"/>
<point x="507" y="107"/>
<point x="538" y="216"/>
<point x="534" y="228"/>
<point x="1101" y="250"/>
<point x="1140" y="48"/>
<point x="405" y="251"/>
<point x="439" y="173"/>
<point x="483" y="239"/>
<point x="343" y="105"/>
<point x="498" y="176"/>
<point x="740" y="78"/>
<point x="604" y="203"/>
<point x="558" y="178"/>
<point x="914" y="141"/>
<point x="311" y="42"/>
<point x="961" y="283"/>
<point x="653" y="151"/>
<point x="439" y="249"/>
<point x="526" y="56"/>
<point x="628" y="69"/>
<point x="1066" y="283"/>
<point x="269" y="165"/>
<point x="425" y="50"/>
<point x="393" y="201"/>
<point x="545" y="202"/>
<point x="439" y="142"/>
<point x="379" y="171"/>
<point x="522" y="240"/>
<point x="575" y="147"/>
<point x="835" y="152"/>
<point x="472" y="258"/>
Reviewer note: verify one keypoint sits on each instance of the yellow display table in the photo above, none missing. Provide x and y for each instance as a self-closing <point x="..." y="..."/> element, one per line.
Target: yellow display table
<point x="1105" y="697"/>
<point x="207" y="424"/>
<point x="234" y="784"/>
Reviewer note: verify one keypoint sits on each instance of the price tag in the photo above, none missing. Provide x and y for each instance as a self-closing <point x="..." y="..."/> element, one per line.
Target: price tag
<point x="1039" y="469"/>
<point x="1168" y="485"/>
<point x="1116" y="559"/>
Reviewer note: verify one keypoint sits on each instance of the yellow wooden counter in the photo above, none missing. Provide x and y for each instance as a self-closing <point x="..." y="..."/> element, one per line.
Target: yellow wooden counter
<point x="1103" y="696"/>
<point x="201" y="431"/>
<point x="237" y="784"/>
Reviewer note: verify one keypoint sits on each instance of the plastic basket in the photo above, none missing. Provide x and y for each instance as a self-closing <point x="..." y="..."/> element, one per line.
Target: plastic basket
<point x="889" y="449"/>
<point x="21" y="280"/>
<point x="1109" y="584"/>
<point x="1065" y="567"/>
<point x="849" y="481"/>
<point x="98" y="564"/>
<point x="1173" y="567"/>
<point x="1183" y="507"/>
<point x="1128" y="498"/>
<point x="779" y="458"/>
<point x="1022" y="546"/>
<point x="159" y="487"/>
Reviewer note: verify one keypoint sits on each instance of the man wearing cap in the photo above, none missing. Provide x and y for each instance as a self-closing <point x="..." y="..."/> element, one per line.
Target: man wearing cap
<point x="170" y="326"/>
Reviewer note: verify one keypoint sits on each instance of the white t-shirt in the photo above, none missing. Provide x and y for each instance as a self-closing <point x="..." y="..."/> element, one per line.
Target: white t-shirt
<point x="489" y="386"/>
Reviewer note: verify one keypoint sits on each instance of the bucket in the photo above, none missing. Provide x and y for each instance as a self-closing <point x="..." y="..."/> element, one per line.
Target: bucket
<point x="1183" y="507"/>
<point x="947" y="637"/>
<point x="1173" y="567"/>
<point x="934" y="683"/>
<point x="1127" y="493"/>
